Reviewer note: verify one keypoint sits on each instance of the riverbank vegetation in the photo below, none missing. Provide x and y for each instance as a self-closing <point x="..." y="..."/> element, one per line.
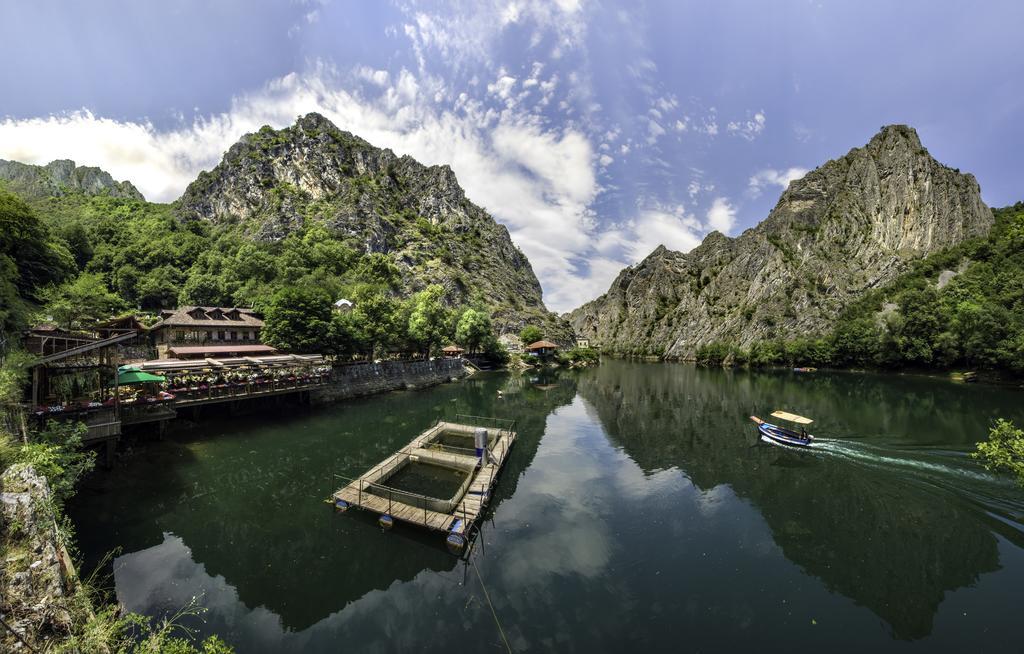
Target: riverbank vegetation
<point x="80" y="259"/>
<point x="960" y="308"/>
<point x="84" y="617"/>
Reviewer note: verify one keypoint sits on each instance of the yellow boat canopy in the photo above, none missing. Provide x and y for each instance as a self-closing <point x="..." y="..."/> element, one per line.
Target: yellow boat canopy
<point x="792" y="417"/>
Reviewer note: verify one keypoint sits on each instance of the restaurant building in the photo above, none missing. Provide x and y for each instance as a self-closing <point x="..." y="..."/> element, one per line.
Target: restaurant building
<point x="199" y="332"/>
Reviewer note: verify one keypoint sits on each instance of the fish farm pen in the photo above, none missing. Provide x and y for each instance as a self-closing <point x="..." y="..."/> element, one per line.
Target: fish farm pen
<point x="441" y="480"/>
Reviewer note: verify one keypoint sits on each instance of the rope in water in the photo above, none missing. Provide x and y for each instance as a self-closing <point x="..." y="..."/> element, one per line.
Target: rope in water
<point x="493" y="612"/>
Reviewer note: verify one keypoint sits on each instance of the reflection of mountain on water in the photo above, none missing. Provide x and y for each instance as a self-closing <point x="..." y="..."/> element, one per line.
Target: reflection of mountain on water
<point x="244" y="500"/>
<point x="889" y="544"/>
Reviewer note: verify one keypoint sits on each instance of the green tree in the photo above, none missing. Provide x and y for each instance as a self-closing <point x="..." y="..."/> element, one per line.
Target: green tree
<point x="346" y="335"/>
<point x="377" y="321"/>
<point x="1004" y="450"/>
<point x="203" y="289"/>
<point x="39" y="261"/>
<point x="158" y="288"/>
<point x="82" y="302"/>
<point x="474" y="329"/>
<point x="530" y="334"/>
<point x="378" y="269"/>
<point x="430" y="320"/>
<point x="298" y="320"/>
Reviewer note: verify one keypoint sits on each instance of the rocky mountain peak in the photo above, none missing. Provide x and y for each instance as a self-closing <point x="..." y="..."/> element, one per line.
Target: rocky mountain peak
<point x="847" y="226"/>
<point x="61" y="177"/>
<point x="276" y="182"/>
<point x="892" y="137"/>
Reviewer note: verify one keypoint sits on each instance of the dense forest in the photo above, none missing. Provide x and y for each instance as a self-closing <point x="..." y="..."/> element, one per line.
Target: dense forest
<point x="960" y="308"/>
<point x="80" y="258"/>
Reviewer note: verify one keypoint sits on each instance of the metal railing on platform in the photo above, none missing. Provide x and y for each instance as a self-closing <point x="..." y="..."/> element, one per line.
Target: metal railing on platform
<point x="207" y="392"/>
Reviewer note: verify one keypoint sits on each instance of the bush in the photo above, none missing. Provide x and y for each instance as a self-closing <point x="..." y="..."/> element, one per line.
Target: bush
<point x="580" y="356"/>
<point x="1004" y="450"/>
<point x="57" y="454"/>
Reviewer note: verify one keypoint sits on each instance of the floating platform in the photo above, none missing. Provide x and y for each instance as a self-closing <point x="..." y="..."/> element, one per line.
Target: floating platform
<point x="472" y="449"/>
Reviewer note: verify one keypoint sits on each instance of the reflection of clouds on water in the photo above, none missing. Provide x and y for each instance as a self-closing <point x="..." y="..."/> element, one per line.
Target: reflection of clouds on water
<point x="557" y="526"/>
<point x="162" y="579"/>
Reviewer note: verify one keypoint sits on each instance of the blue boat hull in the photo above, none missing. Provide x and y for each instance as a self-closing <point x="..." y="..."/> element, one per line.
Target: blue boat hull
<point x="778" y="436"/>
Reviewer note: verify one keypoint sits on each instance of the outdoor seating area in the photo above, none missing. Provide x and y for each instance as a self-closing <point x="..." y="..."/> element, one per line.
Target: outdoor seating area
<point x="210" y="379"/>
<point x="179" y="382"/>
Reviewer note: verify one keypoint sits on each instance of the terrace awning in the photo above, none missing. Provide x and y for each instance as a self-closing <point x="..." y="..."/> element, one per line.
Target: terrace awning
<point x="220" y="349"/>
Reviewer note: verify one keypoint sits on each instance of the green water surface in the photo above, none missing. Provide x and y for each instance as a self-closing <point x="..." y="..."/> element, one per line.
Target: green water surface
<point x="637" y="512"/>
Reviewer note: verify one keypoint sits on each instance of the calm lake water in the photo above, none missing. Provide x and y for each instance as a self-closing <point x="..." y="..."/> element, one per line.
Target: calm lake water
<point x="637" y="512"/>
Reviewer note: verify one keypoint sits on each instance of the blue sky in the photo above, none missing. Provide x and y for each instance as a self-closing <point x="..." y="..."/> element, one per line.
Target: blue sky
<point x="593" y="130"/>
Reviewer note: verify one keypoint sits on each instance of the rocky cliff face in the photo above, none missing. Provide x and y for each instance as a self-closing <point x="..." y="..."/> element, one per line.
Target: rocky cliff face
<point x="846" y="227"/>
<point x="274" y="182"/>
<point x="61" y="177"/>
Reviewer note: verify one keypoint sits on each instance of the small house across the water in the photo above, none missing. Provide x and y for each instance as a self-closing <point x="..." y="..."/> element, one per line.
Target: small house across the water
<point x="541" y="349"/>
<point x="453" y="352"/>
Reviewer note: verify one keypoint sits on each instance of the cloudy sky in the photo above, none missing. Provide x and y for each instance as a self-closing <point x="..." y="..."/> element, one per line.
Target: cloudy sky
<point x="594" y="130"/>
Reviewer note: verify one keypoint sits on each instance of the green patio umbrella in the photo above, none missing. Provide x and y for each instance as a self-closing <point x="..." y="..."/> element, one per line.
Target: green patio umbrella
<point x="127" y="377"/>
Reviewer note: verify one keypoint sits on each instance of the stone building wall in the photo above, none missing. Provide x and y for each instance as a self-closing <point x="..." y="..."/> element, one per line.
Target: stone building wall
<point x="370" y="378"/>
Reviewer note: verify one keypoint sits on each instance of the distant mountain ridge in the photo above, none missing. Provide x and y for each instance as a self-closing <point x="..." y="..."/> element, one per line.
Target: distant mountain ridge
<point x="846" y="227"/>
<point x="60" y="177"/>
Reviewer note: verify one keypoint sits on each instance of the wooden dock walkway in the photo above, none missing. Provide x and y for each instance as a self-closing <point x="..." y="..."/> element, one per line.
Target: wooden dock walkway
<point x="455" y="515"/>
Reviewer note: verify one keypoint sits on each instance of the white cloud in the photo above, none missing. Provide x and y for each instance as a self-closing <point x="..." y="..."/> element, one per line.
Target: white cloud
<point x="502" y="87"/>
<point x="378" y="77"/>
<point x="772" y="177"/>
<point x="654" y="225"/>
<point x="654" y="131"/>
<point x="748" y="129"/>
<point x="606" y="160"/>
<point x="696" y="187"/>
<point x="721" y="216"/>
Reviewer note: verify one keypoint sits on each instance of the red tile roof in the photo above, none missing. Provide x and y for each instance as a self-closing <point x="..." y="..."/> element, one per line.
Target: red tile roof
<point x="540" y="345"/>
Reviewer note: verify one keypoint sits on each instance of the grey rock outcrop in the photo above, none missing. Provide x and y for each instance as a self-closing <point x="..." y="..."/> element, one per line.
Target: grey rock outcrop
<point x="61" y="177"/>
<point x="36" y="571"/>
<point x="846" y="227"/>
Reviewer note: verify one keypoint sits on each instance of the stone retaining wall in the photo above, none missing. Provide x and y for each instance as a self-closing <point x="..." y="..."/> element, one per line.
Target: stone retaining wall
<point x="369" y="378"/>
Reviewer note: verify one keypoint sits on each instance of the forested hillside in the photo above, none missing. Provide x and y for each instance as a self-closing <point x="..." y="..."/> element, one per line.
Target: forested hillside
<point x="290" y="221"/>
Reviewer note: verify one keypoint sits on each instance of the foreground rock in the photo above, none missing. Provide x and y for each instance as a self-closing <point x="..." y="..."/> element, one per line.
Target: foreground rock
<point x="845" y="228"/>
<point x="34" y="581"/>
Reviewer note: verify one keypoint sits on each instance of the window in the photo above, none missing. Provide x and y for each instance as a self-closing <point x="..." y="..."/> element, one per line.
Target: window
<point x="179" y="335"/>
<point x="234" y="336"/>
<point x="220" y="335"/>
